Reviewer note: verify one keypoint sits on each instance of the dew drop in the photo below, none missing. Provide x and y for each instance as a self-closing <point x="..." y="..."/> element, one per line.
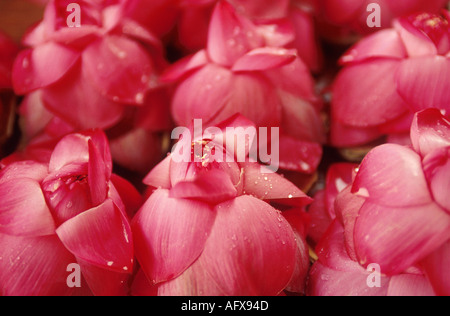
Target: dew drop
<point x="140" y="98"/>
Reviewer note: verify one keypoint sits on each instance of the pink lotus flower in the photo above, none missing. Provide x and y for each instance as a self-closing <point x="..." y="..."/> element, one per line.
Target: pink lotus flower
<point x="207" y="227"/>
<point x="395" y="214"/>
<point x="69" y="210"/>
<point x="345" y="19"/>
<point x="237" y="73"/>
<point x="389" y="76"/>
<point x="287" y="24"/>
<point x="88" y="73"/>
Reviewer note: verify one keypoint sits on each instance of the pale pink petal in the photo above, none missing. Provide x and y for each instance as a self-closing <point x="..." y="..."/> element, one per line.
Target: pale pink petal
<point x="271" y="186"/>
<point x="23" y="209"/>
<point x="119" y="68"/>
<point x="100" y="236"/>
<point x="163" y="227"/>
<point x="72" y="149"/>
<point x="34" y="266"/>
<point x="365" y="94"/>
<point x="385" y="43"/>
<point x="40" y="67"/>
<point x="392" y="175"/>
<point x="396" y="237"/>
<point x="430" y="130"/>
<point x="251" y="249"/>
<point x="436" y="267"/>
<point x="230" y="35"/>
<point x="437" y="170"/>
<point x="24" y="169"/>
<point x="159" y="176"/>
<point x="410" y="285"/>
<point x="266" y="58"/>
<point x="423" y="82"/>
<point x="214" y="186"/>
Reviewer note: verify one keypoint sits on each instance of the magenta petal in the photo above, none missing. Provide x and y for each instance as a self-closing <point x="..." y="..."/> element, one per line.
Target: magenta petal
<point x="159" y="176"/>
<point x="437" y="170"/>
<point x="100" y="236"/>
<point x="34" y="266"/>
<point x="23" y="209"/>
<point x="392" y="175"/>
<point x="251" y="250"/>
<point x="214" y="186"/>
<point x="185" y="66"/>
<point x="163" y="227"/>
<point x="119" y="68"/>
<point x="430" y="130"/>
<point x="260" y="183"/>
<point x="423" y="82"/>
<point x="395" y="237"/>
<point x="385" y="43"/>
<point x="365" y="94"/>
<point x="410" y="285"/>
<point x="266" y="58"/>
<point x="436" y="267"/>
<point x="417" y="43"/>
<point x="42" y="66"/>
<point x="24" y="169"/>
<point x="299" y="156"/>
<point x="72" y="149"/>
<point x="230" y="35"/>
<point x="97" y="175"/>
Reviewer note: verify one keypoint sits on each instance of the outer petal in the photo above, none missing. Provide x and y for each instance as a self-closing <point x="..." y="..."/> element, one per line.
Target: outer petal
<point x="392" y="175"/>
<point x="436" y="267"/>
<point x="185" y="66"/>
<point x="42" y="66"/>
<point x="271" y="186"/>
<point x="159" y="177"/>
<point x="23" y="209"/>
<point x="33" y="266"/>
<point x="265" y="58"/>
<point x="365" y="94"/>
<point x="170" y="234"/>
<point x="437" y="171"/>
<point x="395" y="238"/>
<point x="251" y="250"/>
<point x="300" y="156"/>
<point x="410" y="285"/>
<point x="430" y="130"/>
<point x="423" y="82"/>
<point x="100" y="236"/>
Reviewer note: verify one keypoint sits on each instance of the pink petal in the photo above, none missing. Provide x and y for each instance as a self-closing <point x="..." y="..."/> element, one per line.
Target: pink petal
<point x="34" y="266"/>
<point x="165" y="225"/>
<point x="97" y="175"/>
<point x="214" y="186"/>
<point x="230" y="35"/>
<point x="119" y="68"/>
<point x="365" y="94"/>
<point x="23" y="209"/>
<point x="392" y="175"/>
<point x="86" y="108"/>
<point x="385" y="43"/>
<point x="100" y="236"/>
<point x="436" y="267"/>
<point x="266" y="58"/>
<point x="185" y="66"/>
<point x="264" y="9"/>
<point x="72" y="149"/>
<point x="423" y="82"/>
<point x="410" y="285"/>
<point x="40" y="67"/>
<point x="339" y="176"/>
<point x="128" y="195"/>
<point x="396" y="237"/>
<point x="159" y="176"/>
<point x="251" y="249"/>
<point x="430" y="130"/>
<point x="437" y="170"/>
<point x="350" y="136"/>
<point x="320" y="218"/>
<point x="300" y="156"/>
<point x="342" y="11"/>
<point x="417" y="43"/>
<point x="271" y="186"/>
<point x="24" y="169"/>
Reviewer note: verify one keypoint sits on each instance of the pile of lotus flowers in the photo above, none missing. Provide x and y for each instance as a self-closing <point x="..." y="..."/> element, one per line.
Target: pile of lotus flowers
<point x="227" y="148"/>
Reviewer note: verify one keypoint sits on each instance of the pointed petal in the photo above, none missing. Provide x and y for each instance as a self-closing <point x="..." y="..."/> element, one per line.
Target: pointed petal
<point x="119" y="68"/>
<point x="271" y="186"/>
<point x="430" y="130"/>
<point x="163" y="227"/>
<point x="392" y="175"/>
<point x="214" y="186"/>
<point x="300" y="156"/>
<point x="396" y="237"/>
<point x="185" y="66"/>
<point x="72" y="149"/>
<point x="230" y="35"/>
<point x="423" y="82"/>
<point x="266" y="58"/>
<point x="97" y="175"/>
<point x="33" y="266"/>
<point x="417" y="43"/>
<point x="159" y="177"/>
<point x="40" y="67"/>
<point x="23" y="209"/>
<point x="365" y="94"/>
<point x="251" y="250"/>
<point x="100" y="236"/>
